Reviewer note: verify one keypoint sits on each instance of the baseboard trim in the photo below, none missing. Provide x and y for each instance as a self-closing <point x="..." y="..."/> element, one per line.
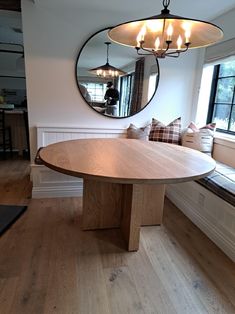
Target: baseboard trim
<point x="226" y="244"/>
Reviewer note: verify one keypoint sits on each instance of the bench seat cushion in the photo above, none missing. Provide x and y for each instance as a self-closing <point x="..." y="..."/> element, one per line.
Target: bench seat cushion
<point x="221" y="182"/>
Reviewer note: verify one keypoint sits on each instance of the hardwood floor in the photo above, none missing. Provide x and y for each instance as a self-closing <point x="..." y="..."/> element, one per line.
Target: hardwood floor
<point x="15" y="185"/>
<point x="49" y="265"/>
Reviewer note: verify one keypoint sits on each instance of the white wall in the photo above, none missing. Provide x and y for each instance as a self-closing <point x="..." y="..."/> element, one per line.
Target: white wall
<point x="52" y="39"/>
<point x="227" y="23"/>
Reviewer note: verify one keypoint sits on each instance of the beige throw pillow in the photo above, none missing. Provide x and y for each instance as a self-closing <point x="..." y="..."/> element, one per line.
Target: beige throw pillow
<point x="199" y="139"/>
<point x="138" y="133"/>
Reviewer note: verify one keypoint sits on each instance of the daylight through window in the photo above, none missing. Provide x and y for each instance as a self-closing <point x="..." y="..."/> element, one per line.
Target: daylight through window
<point x="222" y="98"/>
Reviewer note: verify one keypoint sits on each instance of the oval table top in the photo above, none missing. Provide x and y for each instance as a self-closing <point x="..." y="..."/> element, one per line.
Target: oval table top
<point x="127" y="161"/>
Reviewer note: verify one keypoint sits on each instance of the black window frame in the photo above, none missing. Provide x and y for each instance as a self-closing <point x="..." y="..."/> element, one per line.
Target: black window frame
<point x="212" y="102"/>
<point x="131" y="78"/>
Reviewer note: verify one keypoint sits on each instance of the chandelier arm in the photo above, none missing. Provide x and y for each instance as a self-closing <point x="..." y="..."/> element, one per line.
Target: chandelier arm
<point x="184" y="50"/>
<point x="173" y="56"/>
<point x="143" y="54"/>
<point x="178" y="52"/>
<point x="145" y="49"/>
<point x="168" y="42"/>
<point x="187" y="46"/>
<point x="107" y="53"/>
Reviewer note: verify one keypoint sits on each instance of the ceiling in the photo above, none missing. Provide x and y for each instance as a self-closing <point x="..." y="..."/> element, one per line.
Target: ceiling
<point x="11" y="26"/>
<point x="200" y="9"/>
<point x="10" y="20"/>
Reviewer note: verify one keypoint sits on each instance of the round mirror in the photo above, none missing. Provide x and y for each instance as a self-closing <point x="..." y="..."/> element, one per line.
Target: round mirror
<point x="113" y="79"/>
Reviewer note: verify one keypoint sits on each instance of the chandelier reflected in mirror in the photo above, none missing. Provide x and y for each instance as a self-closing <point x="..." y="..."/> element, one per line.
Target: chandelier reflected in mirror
<point x="165" y="35"/>
<point x="107" y="70"/>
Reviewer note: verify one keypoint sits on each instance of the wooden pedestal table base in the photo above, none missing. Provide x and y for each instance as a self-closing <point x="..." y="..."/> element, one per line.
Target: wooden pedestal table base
<point x="126" y="206"/>
<point x="124" y="179"/>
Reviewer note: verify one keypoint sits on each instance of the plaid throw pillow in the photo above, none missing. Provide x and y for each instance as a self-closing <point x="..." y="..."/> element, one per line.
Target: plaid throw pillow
<point x="168" y="134"/>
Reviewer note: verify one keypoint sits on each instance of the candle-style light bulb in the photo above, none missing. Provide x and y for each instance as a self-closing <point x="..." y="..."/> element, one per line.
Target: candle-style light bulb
<point x="179" y="42"/>
<point x="141" y="35"/>
<point x="157" y="43"/>
<point x="169" y="32"/>
<point x="187" y="36"/>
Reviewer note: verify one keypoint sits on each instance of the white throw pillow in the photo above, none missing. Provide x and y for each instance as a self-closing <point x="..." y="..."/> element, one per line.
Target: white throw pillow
<point x="199" y="139"/>
<point x="138" y="133"/>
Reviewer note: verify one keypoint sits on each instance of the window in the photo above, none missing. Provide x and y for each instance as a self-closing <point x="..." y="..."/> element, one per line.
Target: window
<point x="96" y="91"/>
<point x="125" y="94"/>
<point x="222" y="98"/>
<point x="152" y="85"/>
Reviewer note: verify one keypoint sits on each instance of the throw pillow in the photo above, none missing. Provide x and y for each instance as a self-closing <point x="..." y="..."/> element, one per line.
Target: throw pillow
<point x="138" y="133"/>
<point x="168" y="134"/>
<point x="199" y="139"/>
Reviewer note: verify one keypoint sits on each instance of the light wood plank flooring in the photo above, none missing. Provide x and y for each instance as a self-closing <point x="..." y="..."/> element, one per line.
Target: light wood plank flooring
<point x="48" y="265"/>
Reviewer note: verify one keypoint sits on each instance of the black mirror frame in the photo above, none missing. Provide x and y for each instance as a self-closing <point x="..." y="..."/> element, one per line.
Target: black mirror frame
<point x="76" y="78"/>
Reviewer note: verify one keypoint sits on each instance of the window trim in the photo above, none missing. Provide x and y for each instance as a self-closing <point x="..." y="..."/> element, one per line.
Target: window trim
<point x="214" y="83"/>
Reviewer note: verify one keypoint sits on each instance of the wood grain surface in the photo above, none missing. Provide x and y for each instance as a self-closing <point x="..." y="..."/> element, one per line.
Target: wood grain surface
<point x="118" y="174"/>
<point x="127" y="161"/>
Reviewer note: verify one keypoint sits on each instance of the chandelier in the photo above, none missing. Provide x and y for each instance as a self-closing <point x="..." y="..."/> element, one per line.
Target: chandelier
<point x="107" y="70"/>
<point x="165" y="35"/>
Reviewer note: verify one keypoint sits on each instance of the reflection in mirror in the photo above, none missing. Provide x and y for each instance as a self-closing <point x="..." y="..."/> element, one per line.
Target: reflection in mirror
<point x="113" y="95"/>
<point x="12" y="91"/>
<point x="12" y="75"/>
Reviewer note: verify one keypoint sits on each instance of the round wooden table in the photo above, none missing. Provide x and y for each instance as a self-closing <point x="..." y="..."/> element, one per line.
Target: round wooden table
<point x="124" y="179"/>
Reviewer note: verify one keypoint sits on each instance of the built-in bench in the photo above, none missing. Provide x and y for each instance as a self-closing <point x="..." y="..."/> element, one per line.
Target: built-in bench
<point x="221" y="182"/>
<point x="202" y="202"/>
<point x="210" y="202"/>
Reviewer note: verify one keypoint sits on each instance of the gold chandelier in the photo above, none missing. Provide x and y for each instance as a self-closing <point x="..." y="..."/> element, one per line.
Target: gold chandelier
<point x="107" y="70"/>
<point x="165" y="35"/>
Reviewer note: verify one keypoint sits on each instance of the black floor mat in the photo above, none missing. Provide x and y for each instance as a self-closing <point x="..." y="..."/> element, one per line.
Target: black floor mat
<point x="8" y="215"/>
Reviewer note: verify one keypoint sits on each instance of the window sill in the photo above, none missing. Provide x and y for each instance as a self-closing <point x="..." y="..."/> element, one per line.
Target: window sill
<point x="224" y="139"/>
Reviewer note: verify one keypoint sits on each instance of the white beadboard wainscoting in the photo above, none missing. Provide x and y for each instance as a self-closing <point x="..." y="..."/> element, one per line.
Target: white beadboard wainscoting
<point x="49" y="183"/>
<point x="50" y="135"/>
